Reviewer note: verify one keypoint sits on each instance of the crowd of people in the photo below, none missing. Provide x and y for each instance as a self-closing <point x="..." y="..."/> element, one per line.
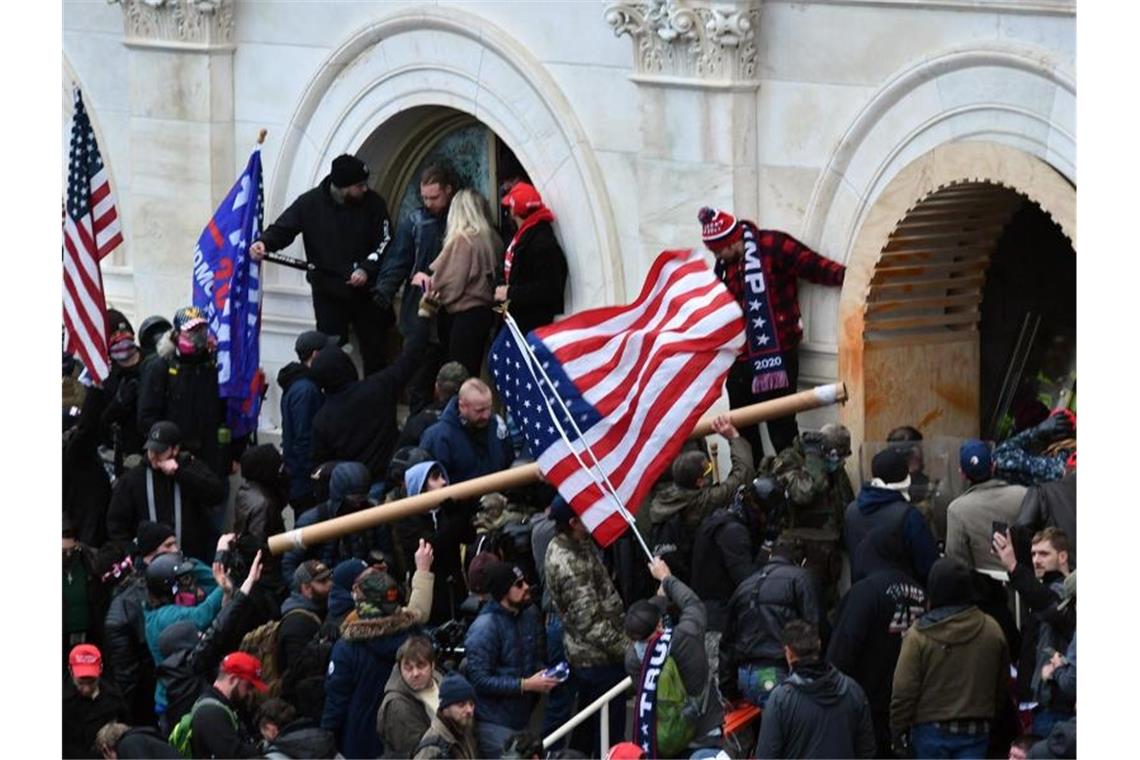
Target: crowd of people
<point x="784" y="613"/>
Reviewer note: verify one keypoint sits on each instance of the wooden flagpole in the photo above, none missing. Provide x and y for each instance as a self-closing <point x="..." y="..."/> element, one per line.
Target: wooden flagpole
<point x="328" y="530"/>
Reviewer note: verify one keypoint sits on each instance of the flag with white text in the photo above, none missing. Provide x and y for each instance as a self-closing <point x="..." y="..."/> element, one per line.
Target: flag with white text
<point x="227" y="287"/>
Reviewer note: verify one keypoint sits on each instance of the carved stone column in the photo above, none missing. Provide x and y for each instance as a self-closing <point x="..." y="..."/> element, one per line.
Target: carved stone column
<point x="182" y="135"/>
<point x="696" y="66"/>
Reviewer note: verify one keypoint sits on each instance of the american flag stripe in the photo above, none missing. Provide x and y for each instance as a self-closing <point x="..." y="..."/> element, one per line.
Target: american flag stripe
<point x="91" y="230"/>
<point x="636" y="379"/>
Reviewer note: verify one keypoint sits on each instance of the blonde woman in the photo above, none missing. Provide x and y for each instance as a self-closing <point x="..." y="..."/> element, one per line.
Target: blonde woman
<point x="463" y="279"/>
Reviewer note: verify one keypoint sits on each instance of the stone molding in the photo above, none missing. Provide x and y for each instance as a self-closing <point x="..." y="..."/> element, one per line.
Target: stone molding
<point x="201" y="25"/>
<point x="690" y="40"/>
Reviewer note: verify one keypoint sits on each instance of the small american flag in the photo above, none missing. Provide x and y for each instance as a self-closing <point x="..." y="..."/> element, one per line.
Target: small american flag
<point x="90" y="232"/>
<point x="633" y="379"/>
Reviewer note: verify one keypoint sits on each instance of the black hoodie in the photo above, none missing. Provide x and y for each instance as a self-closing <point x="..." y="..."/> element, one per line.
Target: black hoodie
<point x="872" y="619"/>
<point x="816" y="712"/>
<point x="358" y="420"/>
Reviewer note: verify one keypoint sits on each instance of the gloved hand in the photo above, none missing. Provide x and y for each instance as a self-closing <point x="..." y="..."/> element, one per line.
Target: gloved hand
<point x="1058" y="426"/>
<point x="812" y="442"/>
<point x="380" y="299"/>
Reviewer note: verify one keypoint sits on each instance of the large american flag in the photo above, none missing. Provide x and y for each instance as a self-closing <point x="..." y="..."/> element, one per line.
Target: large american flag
<point x="635" y="379"/>
<point x="90" y="232"/>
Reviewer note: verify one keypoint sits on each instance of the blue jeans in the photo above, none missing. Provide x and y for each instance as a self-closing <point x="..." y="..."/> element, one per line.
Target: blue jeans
<point x="592" y="683"/>
<point x="756" y="683"/>
<point x="931" y="741"/>
<point x="560" y="702"/>
<point x="1044" y="719"/>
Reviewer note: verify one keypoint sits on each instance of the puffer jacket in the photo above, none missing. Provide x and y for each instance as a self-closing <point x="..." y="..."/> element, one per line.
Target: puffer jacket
<point x="502" y="649"/>
<point x="403" y="718"/>
<point x="954" y="664"/>
<point x="468" y="452"/>
<point x="757" y="613"/>
<point x="687" y="648"/>
<point x="816" y="712"/>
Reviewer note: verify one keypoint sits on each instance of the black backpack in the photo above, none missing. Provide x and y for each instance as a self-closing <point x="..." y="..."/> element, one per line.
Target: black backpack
<point x="668" y="541"/>
<point x="303" y="683"/>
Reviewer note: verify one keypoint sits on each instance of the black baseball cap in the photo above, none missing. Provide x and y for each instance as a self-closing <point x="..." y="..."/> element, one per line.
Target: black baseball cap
<point x="162" y="436"/>
<point x="310" y="341"/>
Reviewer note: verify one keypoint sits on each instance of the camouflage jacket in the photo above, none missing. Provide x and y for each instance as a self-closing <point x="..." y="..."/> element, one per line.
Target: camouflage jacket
<point x="816" y="498"/>
<point x="587" y="602"/>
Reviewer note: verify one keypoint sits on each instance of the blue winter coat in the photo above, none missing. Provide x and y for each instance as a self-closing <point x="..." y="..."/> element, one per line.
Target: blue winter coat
<point x="502" y="649"/>
<point x="300" y="401"/>
<point x="465" y="452"/>
<point x="361" y="662"/>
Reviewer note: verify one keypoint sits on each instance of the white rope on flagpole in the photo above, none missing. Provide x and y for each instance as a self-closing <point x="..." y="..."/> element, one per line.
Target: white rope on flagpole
<point x="603" y="484"/>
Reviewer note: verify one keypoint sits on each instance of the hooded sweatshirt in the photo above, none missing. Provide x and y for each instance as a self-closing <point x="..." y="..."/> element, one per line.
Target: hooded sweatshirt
<point x="954" y="663"/>
<point x="816" y="712"/>
<point x="873" y="618"/>
<point x="358" y="420"/>
<point x="301" y="399"/>
<point x="347" y="479"/>
<point x="882" y="507"/>
<point x="447" y="528"/>
<point x="340" y="598"/>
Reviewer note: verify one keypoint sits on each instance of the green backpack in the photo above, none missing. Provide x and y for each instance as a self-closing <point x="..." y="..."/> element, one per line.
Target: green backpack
<point x="182" y="732"/>
<point x="677" y="712"/>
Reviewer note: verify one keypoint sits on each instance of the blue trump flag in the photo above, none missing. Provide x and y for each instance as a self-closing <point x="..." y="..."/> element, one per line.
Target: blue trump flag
<point x="227" y="287"/>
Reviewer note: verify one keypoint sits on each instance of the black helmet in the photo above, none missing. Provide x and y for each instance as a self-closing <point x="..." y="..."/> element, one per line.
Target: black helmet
<point x="151" y="329"/>
<point x="163" y="571"/>
<point x="405" y="457"/>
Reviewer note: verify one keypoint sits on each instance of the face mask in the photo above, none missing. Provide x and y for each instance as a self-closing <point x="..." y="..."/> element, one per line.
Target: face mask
<point x="193" y="342"/>
<point x="832" y="465"/>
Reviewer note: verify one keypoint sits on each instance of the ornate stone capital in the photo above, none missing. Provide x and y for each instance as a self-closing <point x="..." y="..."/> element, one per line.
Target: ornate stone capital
<point x="690" y="39"/>
<point x="190" y="24"/>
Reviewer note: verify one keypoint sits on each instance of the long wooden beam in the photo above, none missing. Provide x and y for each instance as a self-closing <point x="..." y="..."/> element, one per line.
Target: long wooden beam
<point x="328" y="530"/>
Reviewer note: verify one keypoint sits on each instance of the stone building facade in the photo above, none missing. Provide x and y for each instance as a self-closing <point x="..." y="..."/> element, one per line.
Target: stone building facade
<point x="869" y="129"/>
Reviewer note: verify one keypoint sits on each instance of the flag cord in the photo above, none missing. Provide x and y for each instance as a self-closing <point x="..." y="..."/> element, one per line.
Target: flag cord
<point x="606" y="487"/>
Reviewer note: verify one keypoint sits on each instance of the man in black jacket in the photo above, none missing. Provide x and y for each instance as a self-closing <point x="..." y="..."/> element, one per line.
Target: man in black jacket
<point x="345" y="228"/>
<point x="645" y="619"/>
<point x="220" y="723"/>
<point x="131" y="665"/>
<point x="171" y="486"/>
<point x="89" y="701"/>
<point x="358" y="420"/>
<point x="817" y="711"/>
<point x="725" y="550"/>
<point x="304" y="610"/>
<point x="751" y="653"/>
<point x="180" y="384"/>
<point x="534" y="266"/>
<point x="873" y="617"/>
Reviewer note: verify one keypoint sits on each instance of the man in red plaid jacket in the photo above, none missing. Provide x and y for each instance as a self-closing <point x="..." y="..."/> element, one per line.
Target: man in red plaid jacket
<point x="761" y="267"/>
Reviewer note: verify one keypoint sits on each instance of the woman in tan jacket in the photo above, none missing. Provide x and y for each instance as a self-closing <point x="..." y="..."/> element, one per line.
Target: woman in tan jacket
<point x="463" y="279"/>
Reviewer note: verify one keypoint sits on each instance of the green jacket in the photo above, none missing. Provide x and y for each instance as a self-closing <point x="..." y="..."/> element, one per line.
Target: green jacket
<point x="954" y="665"/>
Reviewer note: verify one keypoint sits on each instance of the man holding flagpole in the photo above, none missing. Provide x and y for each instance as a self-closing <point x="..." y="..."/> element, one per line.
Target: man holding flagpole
<point x="345" y="227"/>
<point x="760" y="269"/>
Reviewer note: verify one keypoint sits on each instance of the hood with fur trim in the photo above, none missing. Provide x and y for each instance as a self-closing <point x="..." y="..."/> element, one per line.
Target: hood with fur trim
<point x="355" y="628"/>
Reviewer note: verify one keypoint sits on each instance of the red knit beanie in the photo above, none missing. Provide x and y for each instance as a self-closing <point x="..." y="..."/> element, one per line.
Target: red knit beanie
<point x="719" y="229"/>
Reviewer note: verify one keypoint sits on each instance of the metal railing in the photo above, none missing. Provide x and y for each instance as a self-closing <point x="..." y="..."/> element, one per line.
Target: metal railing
<point x="586" y="712"/>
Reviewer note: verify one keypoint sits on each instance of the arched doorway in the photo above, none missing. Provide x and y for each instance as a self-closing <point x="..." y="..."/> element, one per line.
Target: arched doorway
<point x="943" y="275"/>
